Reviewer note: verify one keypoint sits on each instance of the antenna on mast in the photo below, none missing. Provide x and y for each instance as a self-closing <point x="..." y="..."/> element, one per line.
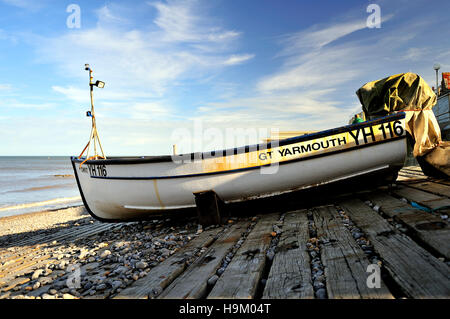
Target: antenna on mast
<point x="94" y="138"/>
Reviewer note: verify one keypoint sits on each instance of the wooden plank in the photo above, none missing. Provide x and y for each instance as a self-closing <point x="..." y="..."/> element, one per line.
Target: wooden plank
<point x="421" y="197"/>
<point x="417" y="272"/>
<point x="240" y="279"/>
<point x="193" y="282"/>
<point x="345" y="262"/>
<point x="429" y="228"/>
<point x="290" y="274"/>
<point x="442" y="181"/>
<point x="438" y="189"/>
<point x="162" y="275"/>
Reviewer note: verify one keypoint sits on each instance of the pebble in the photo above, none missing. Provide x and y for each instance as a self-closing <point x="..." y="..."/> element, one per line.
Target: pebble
<point x="318" y="284"/>
<point x="36" y="274"/>
<point x="220" y="271"/>
<point x="270" y="254"/>
<point x="116" y="284"/>
<point x="165" y="252"/>
<point x="276" y="229"/>
<point x="101" y="287"/>
<point x="321" y="293"/>
<point x="212" y="280"/>
<point x="141" y="265"/>
<point x="105" y="253"/>
<point x="68" y="296"/>
<point x="357" y="235"/>
<point x="36" y="285"/>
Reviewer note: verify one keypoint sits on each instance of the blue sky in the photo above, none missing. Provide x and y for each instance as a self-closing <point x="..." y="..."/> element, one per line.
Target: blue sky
<point x="172" y="66"/>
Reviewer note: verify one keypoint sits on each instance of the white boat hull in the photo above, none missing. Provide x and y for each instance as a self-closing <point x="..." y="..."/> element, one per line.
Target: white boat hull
<point x="130" y="188"/>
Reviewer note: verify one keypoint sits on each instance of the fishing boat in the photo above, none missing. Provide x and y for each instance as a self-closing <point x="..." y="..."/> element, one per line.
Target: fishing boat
<point x="129" y="188"/>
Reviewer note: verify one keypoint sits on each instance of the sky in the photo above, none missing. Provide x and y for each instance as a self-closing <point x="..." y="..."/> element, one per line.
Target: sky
<point x="201" y="74"/>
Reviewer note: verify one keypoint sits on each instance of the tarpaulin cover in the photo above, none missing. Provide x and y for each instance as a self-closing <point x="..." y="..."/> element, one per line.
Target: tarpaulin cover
<point x="410" y="93"/>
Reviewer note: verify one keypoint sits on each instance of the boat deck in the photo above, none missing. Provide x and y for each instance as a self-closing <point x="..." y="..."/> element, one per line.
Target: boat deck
<point x="333" y="251"/>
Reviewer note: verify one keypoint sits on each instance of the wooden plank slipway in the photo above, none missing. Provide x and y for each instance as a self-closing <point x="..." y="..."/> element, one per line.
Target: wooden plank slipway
<point x="290" y="274"/>
<point x="192" y="284"/>
<point x="416" y="271"/>
<point x="345" y="262"/>
<point x="162" y="275"/>
<point x="243" y="274"/>
<point x="431" y="229"/>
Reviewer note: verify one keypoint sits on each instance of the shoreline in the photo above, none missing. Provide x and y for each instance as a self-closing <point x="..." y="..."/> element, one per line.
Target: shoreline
<point x="39" y="220"/>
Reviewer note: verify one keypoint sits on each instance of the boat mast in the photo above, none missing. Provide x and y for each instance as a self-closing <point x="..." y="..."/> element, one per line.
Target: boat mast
<point x="94" y="138"/>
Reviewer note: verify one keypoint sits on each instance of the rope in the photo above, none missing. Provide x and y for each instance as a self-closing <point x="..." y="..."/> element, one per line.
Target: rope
<point x="92" y="158"/>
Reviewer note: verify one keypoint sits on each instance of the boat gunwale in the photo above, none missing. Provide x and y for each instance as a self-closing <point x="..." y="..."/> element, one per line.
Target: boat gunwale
<point x="241" y="149"/>
<point x="238" y="170"/>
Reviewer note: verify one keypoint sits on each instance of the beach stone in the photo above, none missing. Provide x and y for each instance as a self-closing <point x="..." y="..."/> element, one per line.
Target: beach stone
<point x="105" y="254"/>
<point x="36" y="285"/>
<point x="116" y="284"/>
<point x="53" y="291"/>
<point x="36" y="274"/>
<point x="47" y="296"/>
<point x="212" y="280"/>
<point x="68" y="296"/>
<point x="276" y="229"/>
<point x="321" y="293"/>
<point x="101" y="287"/>
<point x="141" y="265"/>
<point x="357" y="235"/>
<point x="165" y="252"/>
<point x="220" y="271"/>
<point x="45" y="280"/>
<point x="318" y="284"/>
<point x="83" y="253"/>
<point x="90" y="266"/>
<point x="59" y="284"/>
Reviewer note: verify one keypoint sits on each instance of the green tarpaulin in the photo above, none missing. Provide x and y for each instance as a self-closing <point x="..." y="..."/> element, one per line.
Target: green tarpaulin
<point x="410" y="93"/>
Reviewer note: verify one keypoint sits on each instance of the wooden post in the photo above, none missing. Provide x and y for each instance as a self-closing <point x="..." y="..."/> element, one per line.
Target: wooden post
<point x="209" y="208"/>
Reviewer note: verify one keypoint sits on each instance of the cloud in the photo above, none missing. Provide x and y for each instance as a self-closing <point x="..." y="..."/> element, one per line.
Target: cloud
<point x="179" y="45"/>
<point x="30" y="5"/>
<point x="316" y="37"/>
<point x="181" y="22"/>
<point x="5" y="87"/>
<point x="238" y="59"/>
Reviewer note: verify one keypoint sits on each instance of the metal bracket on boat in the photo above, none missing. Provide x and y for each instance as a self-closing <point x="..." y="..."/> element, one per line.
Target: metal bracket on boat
<point x="210" y="208"/>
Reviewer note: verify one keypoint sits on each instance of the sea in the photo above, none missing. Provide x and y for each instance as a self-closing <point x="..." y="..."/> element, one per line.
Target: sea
<point x="36" y="183"/>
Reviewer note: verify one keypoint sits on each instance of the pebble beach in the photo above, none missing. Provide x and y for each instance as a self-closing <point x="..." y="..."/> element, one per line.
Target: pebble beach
<point x="99" y="263"/>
